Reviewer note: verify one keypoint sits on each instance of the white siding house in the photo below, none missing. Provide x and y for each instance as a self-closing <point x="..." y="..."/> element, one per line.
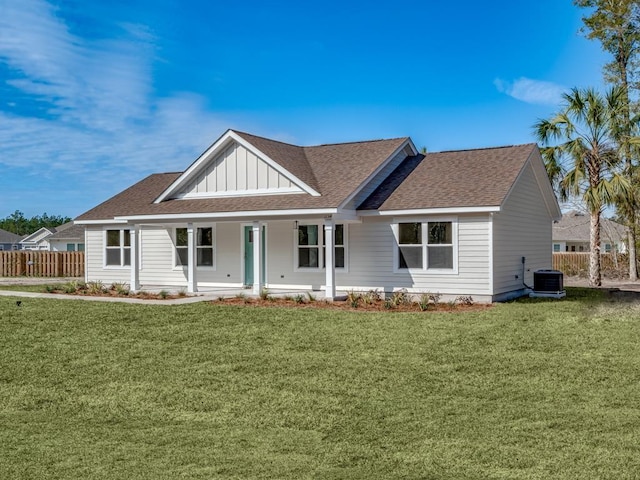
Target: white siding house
<point x="356" y="216"/>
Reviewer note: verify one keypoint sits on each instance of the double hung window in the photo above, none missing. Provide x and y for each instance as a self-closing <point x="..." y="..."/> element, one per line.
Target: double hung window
<point x="204" y="244"/>
<point x="311" y="251"/>
<point x="118" y="248"/>
<point x="426" y="246"/>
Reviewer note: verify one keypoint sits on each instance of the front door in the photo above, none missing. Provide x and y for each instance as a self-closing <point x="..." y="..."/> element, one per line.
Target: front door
<point x="248" y="255"/>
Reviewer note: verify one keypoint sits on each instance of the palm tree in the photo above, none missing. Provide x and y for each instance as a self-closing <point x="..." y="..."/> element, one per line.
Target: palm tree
<point x="586" y="163"/>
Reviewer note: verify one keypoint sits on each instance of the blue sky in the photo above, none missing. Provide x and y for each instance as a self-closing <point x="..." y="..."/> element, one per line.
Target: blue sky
<point x="94" y="96"/>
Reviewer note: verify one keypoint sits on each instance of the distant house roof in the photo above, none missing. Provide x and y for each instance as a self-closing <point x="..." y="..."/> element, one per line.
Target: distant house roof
<point x="575" y="227"/>
<point x="68" y="231"/>
<point x="9" y="237"/>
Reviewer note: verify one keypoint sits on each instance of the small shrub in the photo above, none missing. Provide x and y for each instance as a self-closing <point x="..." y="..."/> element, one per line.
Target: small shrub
<point x="312" y="297"/>
<point x="354" y="298"/>
<point x="371" y="297"/>
<point x="241" y="295"/>
<point x="299" y="298"/>
<point x="182" y="292"/>
<point x="163" y="294"/>
<point x="96" y="287"/>
<point x="51" y="288"/>
<point x="434" y="298"/>
<point x="388" y="304"/>
<point x="464" y="300"/>
<point x="423" y="302"/>
<point x="70" y="287"/>
<point x="401" y="297"/>
<point x="264" y="294"/>
<point x="289" y="298"/>
<point x="120" y="288"/>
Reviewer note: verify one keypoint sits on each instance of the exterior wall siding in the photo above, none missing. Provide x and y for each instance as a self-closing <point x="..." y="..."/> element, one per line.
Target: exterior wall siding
<point x="236" y="169"/>
<point x="521" y="229"/>
<point x="370" y="257"/>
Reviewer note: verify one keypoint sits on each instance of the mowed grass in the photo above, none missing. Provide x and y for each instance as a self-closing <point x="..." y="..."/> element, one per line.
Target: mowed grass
<point x="526" y="390"/>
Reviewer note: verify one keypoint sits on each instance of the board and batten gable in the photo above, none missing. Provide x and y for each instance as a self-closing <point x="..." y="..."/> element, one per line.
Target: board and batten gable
<point x="522" y="228"/>
<point x="237" y="171"/>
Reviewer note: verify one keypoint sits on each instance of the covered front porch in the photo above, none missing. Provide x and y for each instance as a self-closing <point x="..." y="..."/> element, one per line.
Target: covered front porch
<point x="226" y="258"/>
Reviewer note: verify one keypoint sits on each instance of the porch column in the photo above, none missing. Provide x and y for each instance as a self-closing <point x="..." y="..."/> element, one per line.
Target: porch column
<point x="192" y="281"/>
<point x="257" y="260"/>
<point x="134" y="284"/>
<point x="329" y="259"/>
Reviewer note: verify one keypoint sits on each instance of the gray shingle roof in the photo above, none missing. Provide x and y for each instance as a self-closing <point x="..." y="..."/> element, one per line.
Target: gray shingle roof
<point x="333" y="170"/>
<point x="575" y="227"/>
<point x="465" y="178"/>
<point x="9" y="237"/>
<point x="68" y="231"/>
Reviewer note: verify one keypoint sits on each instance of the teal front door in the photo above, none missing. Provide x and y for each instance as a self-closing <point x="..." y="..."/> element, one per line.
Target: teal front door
<point x="248" y="255"/>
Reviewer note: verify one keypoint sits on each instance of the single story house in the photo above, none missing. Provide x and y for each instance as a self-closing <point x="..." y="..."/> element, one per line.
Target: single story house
<point x="38" y="240"/>
<point x="68" y="237"/>
<point x="257" y="213"/>
<point x="572" y="234"/>
<point x="9" y="240"/>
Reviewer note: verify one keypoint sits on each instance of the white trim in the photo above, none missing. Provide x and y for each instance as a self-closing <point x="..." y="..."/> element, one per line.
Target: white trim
<point x="212" y="216"/>
<point x="491" y="246"/>
<point x="428" y="211"/>
<point x="99" y="222"/>
<point x="241" y="193"/>
<point x="425" y="270"/>
<point x="380" y="167"/>
<point x="226" y="138"/>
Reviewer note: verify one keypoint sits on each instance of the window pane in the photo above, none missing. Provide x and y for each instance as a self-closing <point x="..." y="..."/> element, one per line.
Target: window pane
<point x="410" y="257"/>
<point x="308" y="235"/>
<point x="181" y="237"/>
<point x="339" y="257"/>
<point x="440" y="232"/>
<point x="127" y="256"/>
<point x="440" y="257"/>
<point x="182" y="256"/>
<point x="113" y="239"/>
<point x="113" y="256"/>
<point x="205" y="237"/>
<point x="127" y="237"/>
<point x="71" y="247"/>
<point x="308" y="257"/>
<point x="556" y="247"/>
<point x="205" y="257"/>
<point x="339" y="236"/>
<point x="410" y="233"/>
<point x="81" y="247"/>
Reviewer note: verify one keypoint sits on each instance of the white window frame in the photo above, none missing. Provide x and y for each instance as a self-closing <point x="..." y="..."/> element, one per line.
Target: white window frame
<point x="321" y="247"/>
<point x="122" y="247"/>
<point x="214" y="247"/>
<point x="424" y="221"/>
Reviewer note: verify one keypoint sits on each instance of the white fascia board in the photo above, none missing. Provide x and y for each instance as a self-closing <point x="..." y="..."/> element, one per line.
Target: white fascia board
<point x="379" y="169"/>
<point x="217" y="146"/>
<point x="428" y="211"/>
<point x="99" y="222"/>
<point x="227" y="215"/>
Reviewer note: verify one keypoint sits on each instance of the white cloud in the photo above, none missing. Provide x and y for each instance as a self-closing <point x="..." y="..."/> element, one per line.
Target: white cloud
<point x="531" y="91"/>
<point x="85" y="109"/>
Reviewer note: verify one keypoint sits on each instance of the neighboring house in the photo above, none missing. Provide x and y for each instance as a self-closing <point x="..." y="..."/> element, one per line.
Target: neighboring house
<point x="67" y="238"/>
<point x="9" y="240"/>
<point x="38" y="240"/>
<point x="354" y="216"/>
<point x="572" y="234"/>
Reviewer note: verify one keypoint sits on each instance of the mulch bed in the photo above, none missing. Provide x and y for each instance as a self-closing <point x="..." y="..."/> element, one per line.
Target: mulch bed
<point x="343" y="305"/>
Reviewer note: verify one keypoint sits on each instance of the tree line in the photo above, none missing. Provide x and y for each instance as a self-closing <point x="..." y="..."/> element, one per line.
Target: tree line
<point x="19" y="224"/>
<point x="591" y="146"/>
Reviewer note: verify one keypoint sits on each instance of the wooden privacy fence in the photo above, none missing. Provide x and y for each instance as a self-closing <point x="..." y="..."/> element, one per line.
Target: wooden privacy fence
<point x="41" y="264"/>
<point x="573" y="263"/>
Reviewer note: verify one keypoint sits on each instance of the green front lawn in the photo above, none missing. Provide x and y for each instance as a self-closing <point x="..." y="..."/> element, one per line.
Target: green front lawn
<point x="533" y="389"/>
